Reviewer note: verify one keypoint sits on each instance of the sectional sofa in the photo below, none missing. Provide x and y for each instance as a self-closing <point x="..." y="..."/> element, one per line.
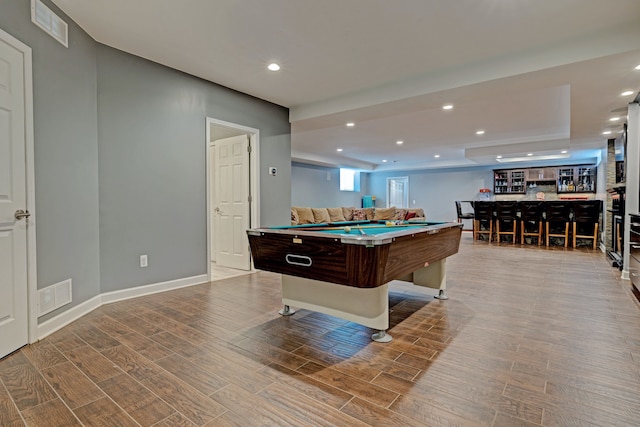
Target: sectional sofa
<point x="307" y="215"/>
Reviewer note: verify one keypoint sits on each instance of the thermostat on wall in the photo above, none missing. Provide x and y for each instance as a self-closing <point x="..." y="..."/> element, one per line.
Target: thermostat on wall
<point x="273" y="171"/>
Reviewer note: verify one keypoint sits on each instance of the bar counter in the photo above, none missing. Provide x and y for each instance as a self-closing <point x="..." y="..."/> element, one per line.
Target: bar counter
<point x="564" y="220"/>
<point x="544" y="203"/>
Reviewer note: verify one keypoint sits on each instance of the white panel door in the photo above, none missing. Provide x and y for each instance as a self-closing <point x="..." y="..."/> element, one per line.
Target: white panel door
<point x="231" y="209"/>
<point x="13" y="197"/>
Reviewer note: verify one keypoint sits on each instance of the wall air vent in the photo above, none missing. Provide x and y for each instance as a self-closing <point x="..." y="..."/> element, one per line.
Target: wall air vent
<point x="54" y="296"/>
<point x="51" y="23"/>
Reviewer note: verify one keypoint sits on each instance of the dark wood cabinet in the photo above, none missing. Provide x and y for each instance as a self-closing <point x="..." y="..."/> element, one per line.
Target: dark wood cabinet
<point x="568" y="179"/>
<point x="541" y="174"/>
<point x="509" y="181"/>
<point x="619" y="171"/>
<point x="577" y="179"/>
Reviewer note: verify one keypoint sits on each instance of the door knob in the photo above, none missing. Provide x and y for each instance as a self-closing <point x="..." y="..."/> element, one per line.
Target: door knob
<point x="21" y="214"/>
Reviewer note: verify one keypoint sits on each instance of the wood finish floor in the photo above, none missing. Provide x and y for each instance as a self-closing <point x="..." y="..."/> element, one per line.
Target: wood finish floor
<point x="530" y="336"/>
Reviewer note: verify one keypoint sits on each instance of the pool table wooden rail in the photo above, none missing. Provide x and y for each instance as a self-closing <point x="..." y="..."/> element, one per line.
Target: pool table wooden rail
<point x="358" y="261"/>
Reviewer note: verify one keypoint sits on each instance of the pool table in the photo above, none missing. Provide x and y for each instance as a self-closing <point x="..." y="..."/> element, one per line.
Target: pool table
<point x="343" y="269"/>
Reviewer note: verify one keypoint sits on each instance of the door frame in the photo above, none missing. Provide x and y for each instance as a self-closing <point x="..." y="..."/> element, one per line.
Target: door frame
<point x="32" y="282"/>
<point x="254" y="177"/>
<point x="404" y="179"/>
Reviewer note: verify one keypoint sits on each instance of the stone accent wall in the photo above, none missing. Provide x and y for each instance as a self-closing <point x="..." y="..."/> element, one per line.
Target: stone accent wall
<point x="611" y="182"/>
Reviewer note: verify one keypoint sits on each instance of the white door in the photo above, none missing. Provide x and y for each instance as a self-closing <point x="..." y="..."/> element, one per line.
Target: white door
<point x="231" y="197"/>
<point x="14" y="330"/>
<point x="398" y="192"/>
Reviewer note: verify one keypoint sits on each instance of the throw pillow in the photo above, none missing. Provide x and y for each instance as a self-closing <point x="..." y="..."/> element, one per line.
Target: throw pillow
<point x="370" y="212"/>
<point x="335" y="214"/>
<point x="410" y="215"/>
<point x="295" y="220"/>
<point x="359" y="215"/>
<point x="320" y="215"/>
<point x="348" y="213"/>
<point x="384" y="213"/>
<point x="305" y="216"/>
<point x="419" y="212"/>
<point x="399" y="214"/>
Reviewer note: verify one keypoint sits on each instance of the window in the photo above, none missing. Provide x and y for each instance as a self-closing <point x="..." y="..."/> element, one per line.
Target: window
<point x="349" y="180"/>
<point x="398" y="192"/>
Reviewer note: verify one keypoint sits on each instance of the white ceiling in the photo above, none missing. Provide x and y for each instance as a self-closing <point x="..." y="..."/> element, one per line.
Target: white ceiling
<point x="537" y="75"/>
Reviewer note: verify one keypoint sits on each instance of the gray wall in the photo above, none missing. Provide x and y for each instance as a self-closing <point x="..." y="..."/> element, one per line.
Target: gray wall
<point x="310" y="187"/>
<point x="66" y="152"/>
<point x="120" y="161"/>
<point x="435" y="191"/>
<point x="152" y="166"/>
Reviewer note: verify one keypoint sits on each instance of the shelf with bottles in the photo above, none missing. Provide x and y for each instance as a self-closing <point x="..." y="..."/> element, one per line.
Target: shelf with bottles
<point x="509" y="181"/>
<point x="577" y="179"/>
<point x="518" y="182"/>
<point x="500" y="182"/>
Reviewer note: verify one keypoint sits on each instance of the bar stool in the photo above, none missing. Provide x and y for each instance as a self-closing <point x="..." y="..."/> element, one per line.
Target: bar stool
<point x="466" y="215"/>
<point x="557" y="215"/>
<point x="506" y="220"/>
<point x="586" y="218"/>
<point x="531" y="219"/>
<point x="483" y="219"/>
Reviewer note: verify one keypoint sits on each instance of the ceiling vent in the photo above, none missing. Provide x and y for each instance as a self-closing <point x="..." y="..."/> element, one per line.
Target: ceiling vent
<point x="51" y="23"/>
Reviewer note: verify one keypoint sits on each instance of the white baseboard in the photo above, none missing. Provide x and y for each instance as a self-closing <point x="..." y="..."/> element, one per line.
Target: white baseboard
<point x="63" y="319"/>
<point x="625" y="275"/>
<point x="74" y="313"/>
<point x="139" y="291"/>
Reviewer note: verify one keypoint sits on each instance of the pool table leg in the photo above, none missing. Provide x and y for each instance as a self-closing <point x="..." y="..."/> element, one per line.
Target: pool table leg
<point x="433" y="276"/>
<point x="381" y="336"/>
<point x="366" y="306"/>
<point x="441" y="295"/>
<point x="286" y="311"/>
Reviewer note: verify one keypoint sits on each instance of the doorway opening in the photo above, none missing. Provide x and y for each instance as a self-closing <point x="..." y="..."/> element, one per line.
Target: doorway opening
<point x="398" y="192"/>
<point x="233" y="196"/>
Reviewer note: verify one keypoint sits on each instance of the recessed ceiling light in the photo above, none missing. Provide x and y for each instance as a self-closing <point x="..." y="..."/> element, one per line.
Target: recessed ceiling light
<point x="447" y="107"/>
<point x="351" y="124"/>
<point x="614" y="119"/>
<point x="384" y="161"/>
<point x="273" y="67"/>
<point x="437" y="156"/>
<point x="399" y="142"/>
<point x="529" y="154"/>
<point x="606" y="132"/>
<point x="638" y="67"/>
<point x="480" y="132"/>
<point x="339" y="149"/>
<point x="498" y="157"/>
<point x="564" y="152"/>
<point x="627" y="93"/>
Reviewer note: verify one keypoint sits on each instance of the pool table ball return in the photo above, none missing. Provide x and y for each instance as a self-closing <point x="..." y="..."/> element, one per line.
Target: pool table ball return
<point x="343" y="269"/>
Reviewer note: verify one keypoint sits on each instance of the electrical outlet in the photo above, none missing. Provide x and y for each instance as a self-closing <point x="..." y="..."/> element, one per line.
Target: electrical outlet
<point x="144" y="261"/>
